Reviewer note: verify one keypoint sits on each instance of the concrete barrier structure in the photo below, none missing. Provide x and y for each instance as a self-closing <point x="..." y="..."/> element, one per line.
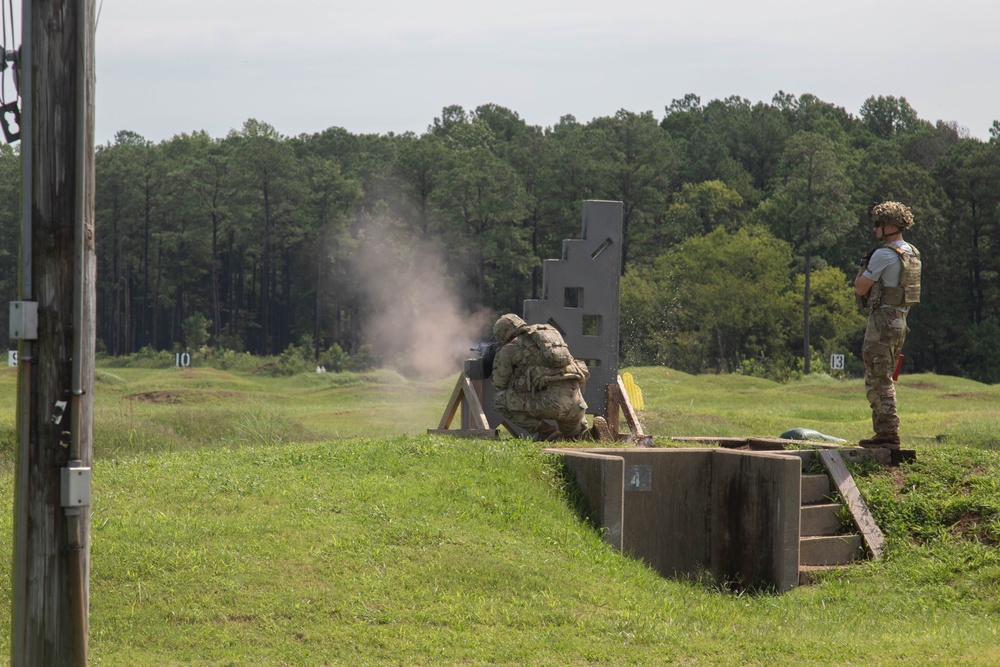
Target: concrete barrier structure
<point x="581" y="297"/>
<point x="600" y="480"/>
<point x="684" y="512"/>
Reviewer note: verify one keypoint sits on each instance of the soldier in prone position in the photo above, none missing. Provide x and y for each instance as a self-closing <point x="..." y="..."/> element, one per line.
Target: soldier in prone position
<point x="888" y="283"/>
<point x="537" y="379"/>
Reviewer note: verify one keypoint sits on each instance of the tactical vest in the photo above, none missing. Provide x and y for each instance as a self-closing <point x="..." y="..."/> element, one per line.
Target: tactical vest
<point x="908" y="292"/>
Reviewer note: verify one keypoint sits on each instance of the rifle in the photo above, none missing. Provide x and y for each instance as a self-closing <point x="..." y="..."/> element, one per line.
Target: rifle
<point x="862" y="301"/>
<point x="481" y="367"/>
<point x="899" y="366"/>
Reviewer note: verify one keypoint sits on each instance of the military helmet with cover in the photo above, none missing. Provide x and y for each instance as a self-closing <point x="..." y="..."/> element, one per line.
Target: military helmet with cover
<point x="507" y="328"/>
<point x="891" y="213"/>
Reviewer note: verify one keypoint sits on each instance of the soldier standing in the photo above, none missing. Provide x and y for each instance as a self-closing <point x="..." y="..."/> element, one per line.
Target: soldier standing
<point x="888" y="283"/>
<point x="536" y="379"/>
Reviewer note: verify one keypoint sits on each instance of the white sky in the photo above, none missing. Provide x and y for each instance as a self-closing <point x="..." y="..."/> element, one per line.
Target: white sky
<point x="373" y="66"/>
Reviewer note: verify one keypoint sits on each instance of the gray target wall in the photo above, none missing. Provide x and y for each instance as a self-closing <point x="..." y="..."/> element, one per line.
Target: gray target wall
<point x="580" y="297"/>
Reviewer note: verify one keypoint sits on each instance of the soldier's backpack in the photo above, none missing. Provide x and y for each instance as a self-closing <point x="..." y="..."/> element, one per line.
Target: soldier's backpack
<point x="554" y="351"/>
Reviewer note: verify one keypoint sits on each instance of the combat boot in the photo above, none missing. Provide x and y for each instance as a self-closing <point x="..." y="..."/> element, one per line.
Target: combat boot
<point x="600" y="431"/>
<point x="881" y="441"/>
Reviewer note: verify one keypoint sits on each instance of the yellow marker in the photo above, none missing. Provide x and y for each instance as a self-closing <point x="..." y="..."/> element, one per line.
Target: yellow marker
<point x="633" y="391"/>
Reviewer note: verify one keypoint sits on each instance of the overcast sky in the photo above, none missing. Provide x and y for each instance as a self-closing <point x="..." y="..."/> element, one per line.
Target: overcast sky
<point x="374" y="66"/>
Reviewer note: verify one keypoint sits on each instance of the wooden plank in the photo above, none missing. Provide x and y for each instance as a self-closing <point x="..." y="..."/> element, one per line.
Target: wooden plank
<point x="466" y="397"/>
<point x="630" y="416"/>
<point x="453" y="403"/>
<point x="515" y="431"/>
<point x="611" y="415"/>
<point x="730" y="443"/>
<point x="842" y="479"/>
<point x="766" y="444"/>
<point x="473" y="405"/>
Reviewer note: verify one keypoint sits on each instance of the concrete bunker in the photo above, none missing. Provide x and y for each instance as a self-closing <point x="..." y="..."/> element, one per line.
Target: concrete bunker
<point x="750" y="519"/>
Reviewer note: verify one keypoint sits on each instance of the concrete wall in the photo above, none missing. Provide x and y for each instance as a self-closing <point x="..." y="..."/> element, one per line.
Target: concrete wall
<point x="599" y="479"/>
<point x="755" y="503"/>
<point x="667" y="513"/>
<point x="733" y="514"/>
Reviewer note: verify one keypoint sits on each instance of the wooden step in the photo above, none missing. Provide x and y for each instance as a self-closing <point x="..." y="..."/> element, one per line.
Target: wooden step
<point x="815" y="489"/>
<point x="830" y="550"/>
<point x="820" y="519"/>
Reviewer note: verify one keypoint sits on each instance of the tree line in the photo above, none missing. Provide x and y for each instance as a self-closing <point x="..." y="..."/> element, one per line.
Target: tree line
<point x="743" y="225"/>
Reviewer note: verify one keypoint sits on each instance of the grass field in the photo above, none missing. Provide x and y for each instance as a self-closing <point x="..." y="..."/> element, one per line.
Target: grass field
<point x="240" y="520"/>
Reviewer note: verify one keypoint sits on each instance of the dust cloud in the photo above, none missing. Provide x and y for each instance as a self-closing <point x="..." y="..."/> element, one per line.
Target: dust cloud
<point x="416" y="322"/>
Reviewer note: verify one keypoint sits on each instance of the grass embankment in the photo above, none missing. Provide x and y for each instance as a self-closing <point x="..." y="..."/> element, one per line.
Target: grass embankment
<point x="231" y="526"/>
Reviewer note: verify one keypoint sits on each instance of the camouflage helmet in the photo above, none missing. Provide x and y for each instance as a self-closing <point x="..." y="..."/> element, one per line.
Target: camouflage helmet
<point x="507" y="327"/>
<point x="891" y="213"/>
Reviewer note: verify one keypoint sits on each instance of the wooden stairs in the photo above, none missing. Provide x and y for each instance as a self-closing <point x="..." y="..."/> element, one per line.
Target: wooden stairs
<point x="835" y="527"/>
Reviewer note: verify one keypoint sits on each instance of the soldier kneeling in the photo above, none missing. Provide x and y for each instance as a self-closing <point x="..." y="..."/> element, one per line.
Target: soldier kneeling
<point x="537" y="379"/>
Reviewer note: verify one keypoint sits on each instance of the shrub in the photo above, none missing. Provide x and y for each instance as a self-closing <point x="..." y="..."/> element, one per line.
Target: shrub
<point x="334" y="358"/>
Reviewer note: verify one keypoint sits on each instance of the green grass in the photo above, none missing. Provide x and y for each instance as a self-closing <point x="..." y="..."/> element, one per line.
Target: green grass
<point x="240" y="520"/>
<point x="932" y="408"/>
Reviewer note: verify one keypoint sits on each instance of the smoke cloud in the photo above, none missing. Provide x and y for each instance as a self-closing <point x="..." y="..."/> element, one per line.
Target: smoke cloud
<point x="416" y="323"/>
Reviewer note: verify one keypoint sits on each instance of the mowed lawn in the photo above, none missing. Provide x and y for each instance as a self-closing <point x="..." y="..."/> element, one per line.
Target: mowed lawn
<point x="242" y="520"/>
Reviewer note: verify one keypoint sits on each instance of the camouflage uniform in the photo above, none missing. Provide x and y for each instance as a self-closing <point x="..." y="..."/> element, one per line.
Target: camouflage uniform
<point x="884" y="337"/>
<point x="886" y="329"/>
<point x="529" y="391"/>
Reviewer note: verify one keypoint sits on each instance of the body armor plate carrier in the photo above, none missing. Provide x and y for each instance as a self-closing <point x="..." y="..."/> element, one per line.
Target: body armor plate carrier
<point x="908" y="292"/>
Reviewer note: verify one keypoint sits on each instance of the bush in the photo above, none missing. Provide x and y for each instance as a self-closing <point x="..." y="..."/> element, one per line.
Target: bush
<point x="294" y="360"/>
<point x="229" y="360"/>
<point x="147" y="357"/>
<point x="334" y="359"/>
<point x="362" y="360"/>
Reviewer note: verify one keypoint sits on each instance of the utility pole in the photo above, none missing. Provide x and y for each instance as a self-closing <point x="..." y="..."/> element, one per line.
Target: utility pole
<point x="54" y="324"/>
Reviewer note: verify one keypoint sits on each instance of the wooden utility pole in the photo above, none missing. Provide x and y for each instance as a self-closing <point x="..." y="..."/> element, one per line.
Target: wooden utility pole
<point x="55" y="316"/>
